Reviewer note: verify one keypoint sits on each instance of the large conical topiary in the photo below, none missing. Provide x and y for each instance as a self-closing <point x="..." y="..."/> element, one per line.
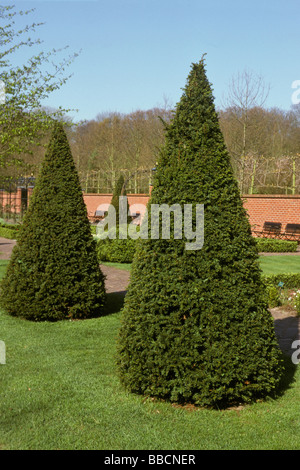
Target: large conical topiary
<point x="53" y="273"/>
<point x="195" y="326"/>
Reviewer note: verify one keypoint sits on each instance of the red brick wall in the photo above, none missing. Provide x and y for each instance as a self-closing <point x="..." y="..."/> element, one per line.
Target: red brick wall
<point x="137" y="202"/>
<point x="272" y="208"/>
<point x="93" y="201"/>
<point x="260" y="208"/>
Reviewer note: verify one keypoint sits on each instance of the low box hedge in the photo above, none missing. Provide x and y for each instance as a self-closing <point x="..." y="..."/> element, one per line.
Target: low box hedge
<point x="284" y="280"/>
<point x="122" y="251"/>
<point x="116" y="250"/>
<point x="9" y="231"/>
<point x="271" y="245"/>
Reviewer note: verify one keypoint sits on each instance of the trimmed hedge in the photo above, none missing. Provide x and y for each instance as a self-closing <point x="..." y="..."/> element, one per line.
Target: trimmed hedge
<point x="122" y="251"/>
<point x="289" y="280"/>
<point x="116" y="251"/>
<point x="271" y="245"/>
<point x="9" y="231"/>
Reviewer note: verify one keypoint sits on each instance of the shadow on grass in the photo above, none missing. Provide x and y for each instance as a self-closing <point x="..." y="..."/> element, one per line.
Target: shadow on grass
<point x="114" y="302"/>
<point x="287" y="332"/>
<point x="288" y="377"/>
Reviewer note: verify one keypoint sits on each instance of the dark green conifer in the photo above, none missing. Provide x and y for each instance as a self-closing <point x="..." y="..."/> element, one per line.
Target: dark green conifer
<point x="196" y="326"/>
<point x="53" y="273"/>
<point x="120" y="190"/>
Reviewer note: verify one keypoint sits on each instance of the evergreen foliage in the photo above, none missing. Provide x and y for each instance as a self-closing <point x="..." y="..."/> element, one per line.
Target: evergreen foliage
<point x="9" y="231"/>
<point x="53" y="273"/>
<point x="195" y="325"/>
<point x="115" y="250"/>
<point x="272" y="245"/>
<point x="116" y="246"/>
<point x="119" y="190"/>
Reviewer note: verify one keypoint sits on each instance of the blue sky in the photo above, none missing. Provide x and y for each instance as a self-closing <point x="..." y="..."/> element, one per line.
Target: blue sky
<point x="137" y="53"/>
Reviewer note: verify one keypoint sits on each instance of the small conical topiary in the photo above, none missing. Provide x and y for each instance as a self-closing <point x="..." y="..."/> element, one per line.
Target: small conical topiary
<point x="120" y="190"/>
<point x="53" y="272"/>
<point x="196" y="326"/>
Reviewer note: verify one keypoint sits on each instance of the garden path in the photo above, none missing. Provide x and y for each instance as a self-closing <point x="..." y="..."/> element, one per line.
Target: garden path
<point x="6" y="247"/>
<point x="286" y="322"/>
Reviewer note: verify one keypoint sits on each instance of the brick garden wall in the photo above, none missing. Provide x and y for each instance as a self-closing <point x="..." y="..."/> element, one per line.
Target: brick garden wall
<point x="272" y="208"/>
<point x="260" y="208"/>
<point x="137" y="202"/>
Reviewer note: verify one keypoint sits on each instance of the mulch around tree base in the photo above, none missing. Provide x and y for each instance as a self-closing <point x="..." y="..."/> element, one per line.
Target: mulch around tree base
<point x="286" y="322"/>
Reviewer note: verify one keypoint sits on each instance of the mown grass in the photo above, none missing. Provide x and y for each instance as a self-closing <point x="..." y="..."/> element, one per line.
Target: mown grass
<point x="3" y="264"/>
<point x="125" y="266"/>
<point x="277" y="264"/>
<point x="59" y="390"/>
<point x="272" y="264"/>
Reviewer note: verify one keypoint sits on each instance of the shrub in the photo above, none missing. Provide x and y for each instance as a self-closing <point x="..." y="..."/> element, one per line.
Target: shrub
<point x="9" y="231"/>
<point x="271" y="245"/>
<point x="287" y="280"/>
<point x="53" y="272"/>
<point x="116" y="250"/>
<point x="93" y="229"/>
<point x="296" y="301"/>
<point x="119" y="190"/>
<point x="196" y="326"/>
<point x="273" y="296"/>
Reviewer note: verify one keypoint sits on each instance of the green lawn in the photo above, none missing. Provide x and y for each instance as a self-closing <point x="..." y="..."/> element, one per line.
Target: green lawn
<point x="125" y="266"/>
<point x="278" y="264"/>
<point x="273" y="264"/>
<point x="3" y="264"/>
<point x="59" y="390"/>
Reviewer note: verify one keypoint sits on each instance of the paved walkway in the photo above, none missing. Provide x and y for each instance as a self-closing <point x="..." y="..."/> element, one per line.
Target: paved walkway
<point x="286" y="322"/>
<point x="6" y="247"/>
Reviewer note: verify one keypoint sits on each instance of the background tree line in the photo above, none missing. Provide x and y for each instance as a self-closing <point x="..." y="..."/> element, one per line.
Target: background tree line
<point x="265" y="160"/>
<point x="268" y="160"/>
<point x="115" y="144"/>
<point x="264" y="147"/>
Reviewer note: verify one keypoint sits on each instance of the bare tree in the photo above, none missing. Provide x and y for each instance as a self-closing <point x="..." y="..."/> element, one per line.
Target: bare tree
<point x="246" y="91"/>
